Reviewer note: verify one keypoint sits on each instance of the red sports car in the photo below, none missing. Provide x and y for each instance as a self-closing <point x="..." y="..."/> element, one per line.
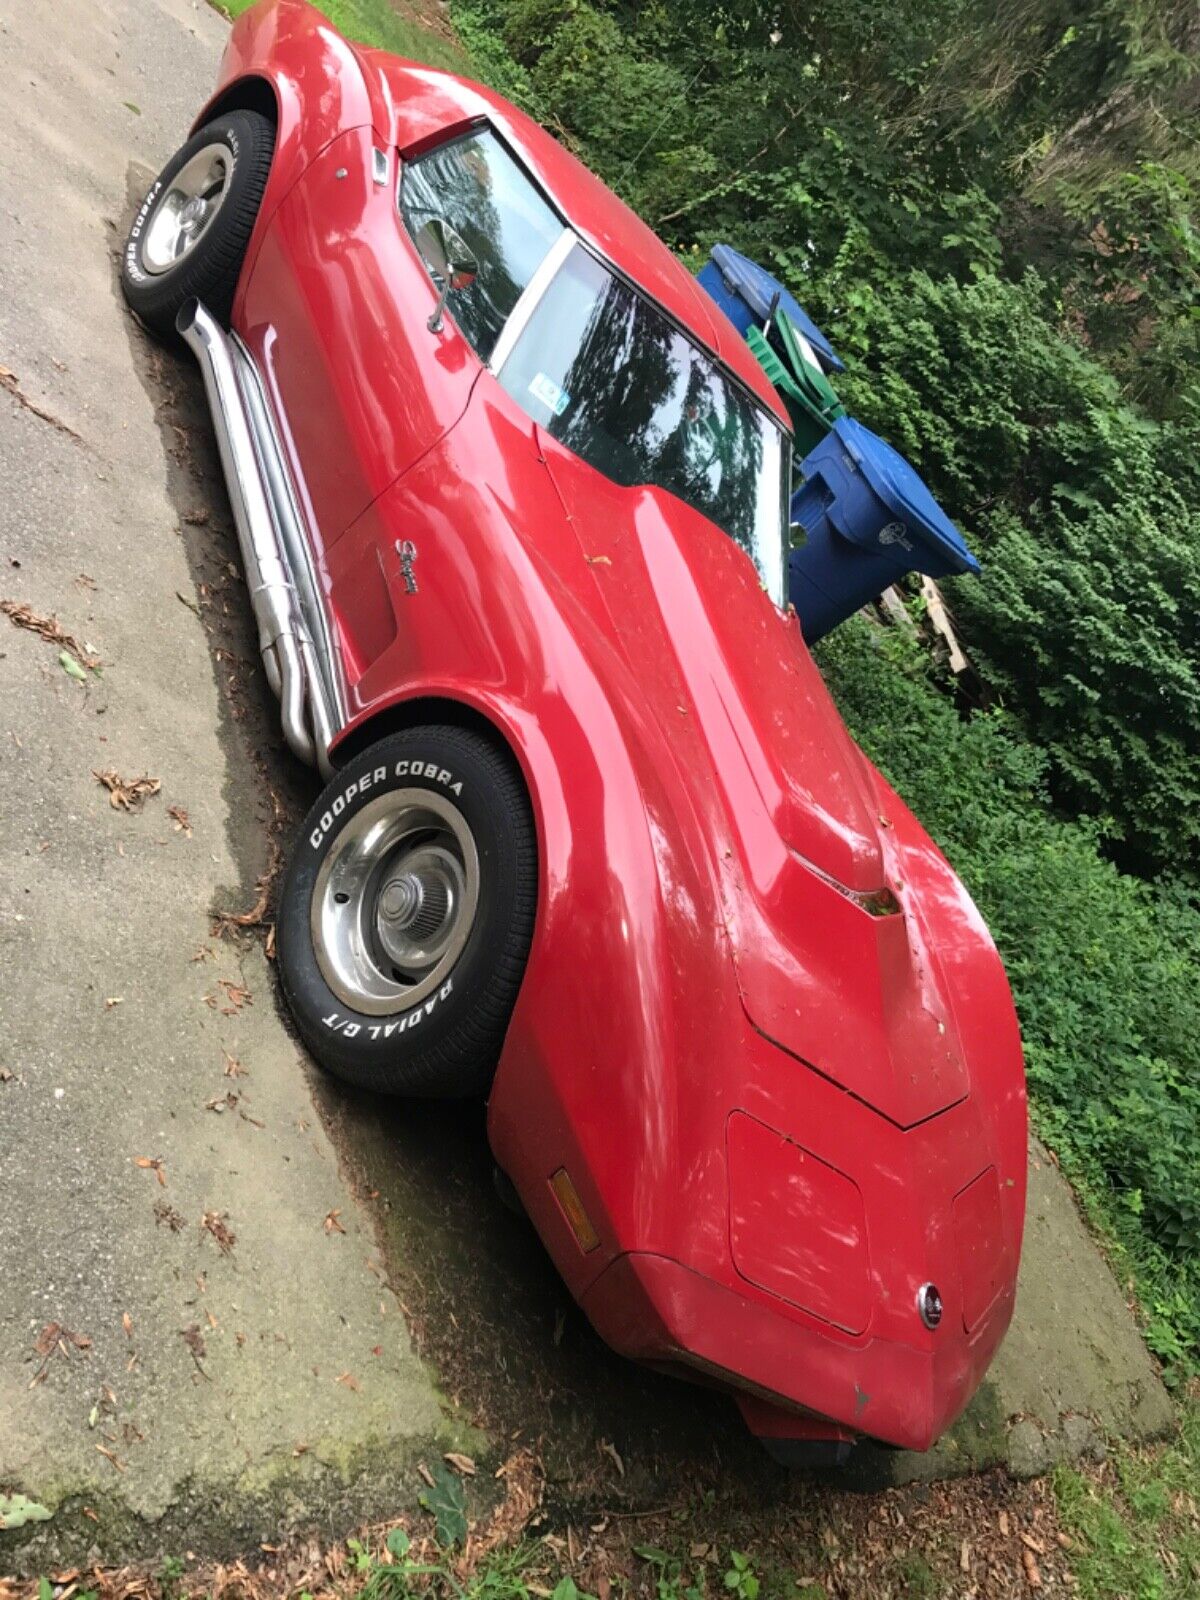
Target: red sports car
<point x="511" y="495"/>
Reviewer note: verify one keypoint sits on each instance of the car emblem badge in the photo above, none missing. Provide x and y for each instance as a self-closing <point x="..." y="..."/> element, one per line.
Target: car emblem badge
<point x="407" y="551"/>
<point x="929" y="1304"/>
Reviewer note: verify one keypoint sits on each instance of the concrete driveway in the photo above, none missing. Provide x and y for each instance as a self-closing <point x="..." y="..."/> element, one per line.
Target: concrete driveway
<point x="255" y="1367"/>
<point x="201" y="1333"/>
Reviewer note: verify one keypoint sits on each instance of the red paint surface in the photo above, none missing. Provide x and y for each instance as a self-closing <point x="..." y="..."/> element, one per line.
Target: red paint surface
<point x="701" y="811"/>
<point x="797" y="1226"/>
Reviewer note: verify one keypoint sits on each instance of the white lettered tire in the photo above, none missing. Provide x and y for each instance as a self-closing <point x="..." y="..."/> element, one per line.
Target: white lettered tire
<point x="406" y="914"/>
<point x="189" y="237"/>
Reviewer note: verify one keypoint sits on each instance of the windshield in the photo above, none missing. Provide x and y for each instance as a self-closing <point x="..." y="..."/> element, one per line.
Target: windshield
<point x="610" y="376"/>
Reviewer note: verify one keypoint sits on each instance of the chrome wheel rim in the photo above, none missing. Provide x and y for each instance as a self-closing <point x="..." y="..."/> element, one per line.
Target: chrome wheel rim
<point x="184" y="211"/>
<point x="395" y="901"/>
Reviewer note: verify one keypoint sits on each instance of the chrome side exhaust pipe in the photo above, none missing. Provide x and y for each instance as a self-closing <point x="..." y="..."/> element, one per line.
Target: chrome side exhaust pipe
<point x="287" y="649"/>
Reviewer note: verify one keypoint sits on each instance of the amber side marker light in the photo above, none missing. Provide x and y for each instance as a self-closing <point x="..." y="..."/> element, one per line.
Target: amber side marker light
<point x="571" y="1206"/>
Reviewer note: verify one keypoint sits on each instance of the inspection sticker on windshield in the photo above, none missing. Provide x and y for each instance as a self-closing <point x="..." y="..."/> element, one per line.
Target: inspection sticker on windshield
<point x="545" y="389"/>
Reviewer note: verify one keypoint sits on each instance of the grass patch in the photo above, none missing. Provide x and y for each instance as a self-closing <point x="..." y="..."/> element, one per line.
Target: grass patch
<point x="385" y="25"/>
<point x="1135" y="1528"/>
<point x="396" y="1570"/>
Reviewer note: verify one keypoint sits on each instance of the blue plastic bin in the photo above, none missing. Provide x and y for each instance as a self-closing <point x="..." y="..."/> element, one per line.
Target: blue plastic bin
<point x="744" y="291"/>
<point x="869" y="518"/>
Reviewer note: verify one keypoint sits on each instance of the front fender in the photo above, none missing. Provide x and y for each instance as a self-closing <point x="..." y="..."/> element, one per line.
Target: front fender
<point x="629" y="961"/>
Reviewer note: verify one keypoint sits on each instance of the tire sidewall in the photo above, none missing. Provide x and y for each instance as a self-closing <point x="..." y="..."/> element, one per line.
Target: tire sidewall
<point x="358" y="1045"/>
<point x="223" y="130"/>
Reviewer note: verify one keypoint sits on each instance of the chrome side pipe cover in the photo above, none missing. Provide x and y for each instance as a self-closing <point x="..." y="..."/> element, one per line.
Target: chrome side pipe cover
<point x="299" y="668"/>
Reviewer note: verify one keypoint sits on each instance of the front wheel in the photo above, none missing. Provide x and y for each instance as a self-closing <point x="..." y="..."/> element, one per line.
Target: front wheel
<point x="190" y="234"/>
<point x="406" y="914"/>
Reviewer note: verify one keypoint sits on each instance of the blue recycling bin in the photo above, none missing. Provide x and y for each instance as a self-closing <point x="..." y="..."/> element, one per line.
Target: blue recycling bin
<point x="868" y="518"/>
<point x="745" y="291"/>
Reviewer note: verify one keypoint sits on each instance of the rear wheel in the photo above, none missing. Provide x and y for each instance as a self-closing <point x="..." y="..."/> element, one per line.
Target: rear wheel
<point x="190" y="234"/>
<point x="406" y="914"/>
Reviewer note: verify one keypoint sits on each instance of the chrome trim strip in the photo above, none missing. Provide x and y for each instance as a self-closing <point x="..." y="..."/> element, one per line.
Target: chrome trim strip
<point x="292" y="526"/>
<point x="246" y="441"/>
<point x="532" y="293"/>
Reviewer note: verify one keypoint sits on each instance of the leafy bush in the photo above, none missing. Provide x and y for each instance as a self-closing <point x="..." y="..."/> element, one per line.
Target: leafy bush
<point x="1103" y="966"/>
<point x="1086" y="620"/>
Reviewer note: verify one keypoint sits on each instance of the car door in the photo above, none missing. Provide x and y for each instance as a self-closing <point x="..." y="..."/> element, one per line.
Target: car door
<point x="339" y="305"/>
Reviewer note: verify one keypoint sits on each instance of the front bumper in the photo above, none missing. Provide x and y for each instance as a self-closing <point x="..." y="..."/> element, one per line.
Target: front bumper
<point x="654" y="1309"/>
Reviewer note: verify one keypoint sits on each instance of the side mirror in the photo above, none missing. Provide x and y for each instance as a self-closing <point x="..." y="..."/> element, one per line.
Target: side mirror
<point x="449" y="258"/>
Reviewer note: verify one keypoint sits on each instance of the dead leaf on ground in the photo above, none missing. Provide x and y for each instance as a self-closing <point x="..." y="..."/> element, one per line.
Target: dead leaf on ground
<point x="54" y="1334"/>
<point x="56" y="1339"/>
<point x="127" y="794"/>
<point x="236" y="995"/>
<point x="152" y="1164"/>
<point x="222" y="1102"/>
<point x="194" y="1339"/>
<point x="332" y="1225"/>
<point x="22" y="615"/>
<point x="114" y="1000"/>
<point x="610" y="1449"/>
<point x="127" y="1324"/>
<point x="233" y="1067"/>
<point x="7" y="1075"/>
<point x="1033" y="1576"/>
<point x="257" y="913"/>
<point x="204" y="952"/>
<point x="183" y="823"/>
<point x="348" y="1380"/>
<point x="167" y="1216"/>
<point x="214" y="1222"/>
<point x="461" y="1463"/>
<point x="109" y="1456"/>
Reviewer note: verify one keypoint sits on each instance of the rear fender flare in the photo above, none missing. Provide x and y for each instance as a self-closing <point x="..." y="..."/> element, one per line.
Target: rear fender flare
<point x="317" y="86"/>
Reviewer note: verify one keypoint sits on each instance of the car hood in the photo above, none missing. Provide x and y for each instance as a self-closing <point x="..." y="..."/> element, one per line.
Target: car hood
<point x="834" y="940"/>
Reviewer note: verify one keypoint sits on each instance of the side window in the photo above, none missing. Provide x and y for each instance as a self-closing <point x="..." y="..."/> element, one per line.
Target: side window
<point x="475" y="185"/>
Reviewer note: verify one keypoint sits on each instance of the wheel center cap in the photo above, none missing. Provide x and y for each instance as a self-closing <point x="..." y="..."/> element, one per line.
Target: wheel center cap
<point x="401" y="899"/>
<point x="193" y="213"/>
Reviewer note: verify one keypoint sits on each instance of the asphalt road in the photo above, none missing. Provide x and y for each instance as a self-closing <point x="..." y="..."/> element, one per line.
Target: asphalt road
<point x="199" y="1396"/>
